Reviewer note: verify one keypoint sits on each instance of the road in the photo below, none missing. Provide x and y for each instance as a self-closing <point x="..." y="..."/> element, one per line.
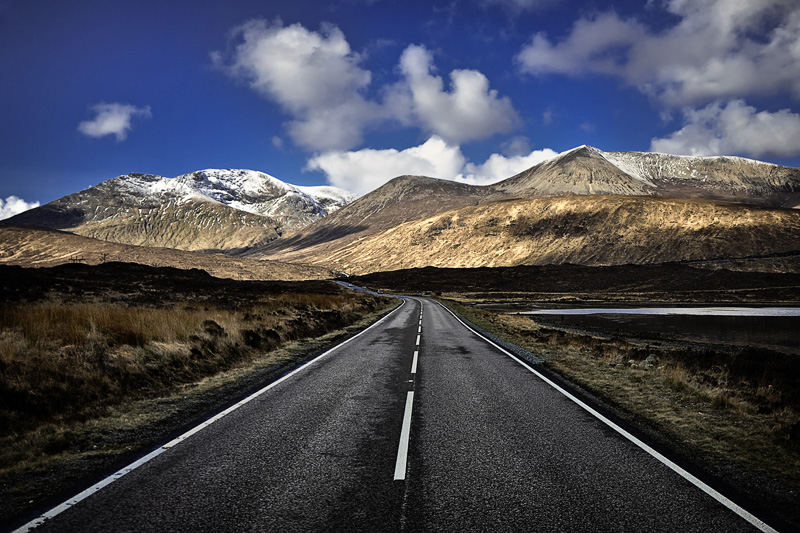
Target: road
<point x="418" y="424"/>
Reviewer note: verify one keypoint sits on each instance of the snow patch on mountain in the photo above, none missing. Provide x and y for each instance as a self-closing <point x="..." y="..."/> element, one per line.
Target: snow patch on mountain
<point x="333" y="198"/>
<point x="246" y="190"/>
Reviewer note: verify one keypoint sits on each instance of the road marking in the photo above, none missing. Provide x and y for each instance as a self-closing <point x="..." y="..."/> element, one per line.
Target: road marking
<point x="417" y="340"/>
<point x="414" y="362"/>
<point x="36" y="522"/>
<point x="721" y="498"/>
<point x="405" y="432"/>
<point x="419" y="330"/>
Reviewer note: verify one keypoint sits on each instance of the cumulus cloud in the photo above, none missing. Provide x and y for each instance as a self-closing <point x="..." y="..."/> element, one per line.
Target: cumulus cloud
<point x="112" y="119"/>
<point x="735" y="128"/>
<point x="499" y="167"/>
<point x="365" y="170"/>
<point x="314" y="76"/>
<point x="319" y="81"/>
<point x="14" y="206"/>
<point x="718" y="49"/>
<point x="468" y="111"/>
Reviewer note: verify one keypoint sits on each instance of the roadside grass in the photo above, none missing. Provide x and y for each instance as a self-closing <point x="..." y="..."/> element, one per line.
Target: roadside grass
<point x="735" y="411"/>
<point x="64" y="367"/>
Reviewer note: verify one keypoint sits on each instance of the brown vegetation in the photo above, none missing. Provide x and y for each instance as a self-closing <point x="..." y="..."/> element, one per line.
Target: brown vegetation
<point x="69" y="362"/>
<point x="672" y="282"/>
<point x="587" y="230"/>
<point x="38" y="247"/>
<point x="96" y="362"/>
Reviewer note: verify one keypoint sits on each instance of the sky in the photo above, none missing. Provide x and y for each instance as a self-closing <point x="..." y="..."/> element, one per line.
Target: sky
<point x="352" y="93"/>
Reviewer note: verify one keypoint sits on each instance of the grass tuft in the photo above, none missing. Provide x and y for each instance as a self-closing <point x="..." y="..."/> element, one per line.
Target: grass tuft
<point x="62" y="363"/>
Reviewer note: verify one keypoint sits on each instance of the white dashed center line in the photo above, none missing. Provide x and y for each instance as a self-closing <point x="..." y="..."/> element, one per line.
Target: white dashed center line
<point x="405" y="431"/>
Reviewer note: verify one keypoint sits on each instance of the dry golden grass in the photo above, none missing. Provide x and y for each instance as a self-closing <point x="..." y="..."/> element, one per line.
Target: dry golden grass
<point x="63" y="363"/>
<point x="583" y="230"/>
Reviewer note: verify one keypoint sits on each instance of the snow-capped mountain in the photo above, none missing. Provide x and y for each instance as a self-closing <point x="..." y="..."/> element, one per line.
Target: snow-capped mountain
<point x="211" y="210"/>
<point x="366" y="230"/>
<point x="588" y="170"/>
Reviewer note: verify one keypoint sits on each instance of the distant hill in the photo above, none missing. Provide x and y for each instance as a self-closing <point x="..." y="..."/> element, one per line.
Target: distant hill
<point x="210" y="210"/>
<point x="587" y="170"/>
<point x="584" y="206"/>
<point x="37" y="247"/>
<point x="586" y="230"/>
<point x="374" y="232"/>
<point x="403" y="199"/>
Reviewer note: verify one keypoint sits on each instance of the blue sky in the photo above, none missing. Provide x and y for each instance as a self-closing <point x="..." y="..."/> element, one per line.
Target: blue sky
<point x="354" y="92"/>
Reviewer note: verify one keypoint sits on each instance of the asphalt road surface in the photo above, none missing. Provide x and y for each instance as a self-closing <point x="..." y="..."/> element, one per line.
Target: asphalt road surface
<point x="418" y="424"/>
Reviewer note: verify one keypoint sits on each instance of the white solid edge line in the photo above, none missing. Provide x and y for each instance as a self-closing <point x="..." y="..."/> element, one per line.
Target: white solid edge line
<point x="36" y="522"/>
<point x="721" y="498"/>
<point x="414" y="362"/>
<point x="405" y="432"/>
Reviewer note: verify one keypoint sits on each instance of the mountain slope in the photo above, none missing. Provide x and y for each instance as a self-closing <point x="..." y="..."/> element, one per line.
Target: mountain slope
<point x="403" y="199"/>
<point x="584" y="170"/>
<point x="587" y="170"/>
<point x="581" y="171"/>
<point x="210" y="210"/>
<point x="34" y="247"/>
<point x="588" y="230"/>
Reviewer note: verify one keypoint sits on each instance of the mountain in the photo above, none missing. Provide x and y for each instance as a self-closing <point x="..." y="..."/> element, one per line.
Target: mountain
<point x="403" y="199"/>
<point x="585" y="230"/>
<point x="39" y="247"/>
<point x="254" y="215"/>
<point x="587" y="170"/>
<point x="582" y="171"/>
<point x="209" y="210"/>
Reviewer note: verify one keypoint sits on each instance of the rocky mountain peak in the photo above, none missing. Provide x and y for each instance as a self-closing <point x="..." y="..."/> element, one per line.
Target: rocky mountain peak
<point x="212" y="209"/>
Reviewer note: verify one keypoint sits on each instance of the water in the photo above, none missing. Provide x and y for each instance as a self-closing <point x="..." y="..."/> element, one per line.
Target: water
<point x="777" y="328"/>
<point x="688" y="311"/>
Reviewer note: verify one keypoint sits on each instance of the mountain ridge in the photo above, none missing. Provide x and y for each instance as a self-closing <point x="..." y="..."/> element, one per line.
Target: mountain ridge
<point x="723" y="178"/>
<point x="582" y="171"/>
<point x="588" y="230"/>
<point x="209" y="210"/>
<point x="42" y="247"/>
<point x="252" y="214"/>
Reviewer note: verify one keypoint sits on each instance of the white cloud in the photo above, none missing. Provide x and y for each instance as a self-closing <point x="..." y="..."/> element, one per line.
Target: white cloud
<point x="734" y="129"/>
<point x="498" y="167"/>
<point x="595" y="44"/>
<point x="365" y="170"/>
<point x="318" y="80"/>
<point x="469" y="111"/>
<point x="315" y="77"/>
<point x="112" y="119"/>
<point x="718" y="49"/>
<point x="14" y="206"/>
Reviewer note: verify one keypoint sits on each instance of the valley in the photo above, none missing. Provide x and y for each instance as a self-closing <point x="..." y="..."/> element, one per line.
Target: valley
<point x="236" y="263"/>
